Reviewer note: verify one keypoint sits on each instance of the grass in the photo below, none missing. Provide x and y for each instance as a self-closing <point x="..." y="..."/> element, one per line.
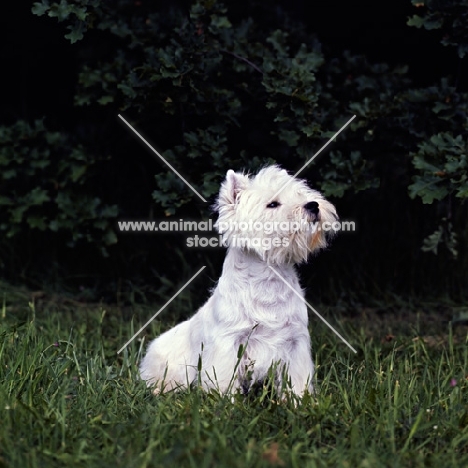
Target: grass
<point x="67" y="399"/>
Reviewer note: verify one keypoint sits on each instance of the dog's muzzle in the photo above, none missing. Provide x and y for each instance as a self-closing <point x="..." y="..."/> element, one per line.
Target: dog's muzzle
<point x="313" y="208"/>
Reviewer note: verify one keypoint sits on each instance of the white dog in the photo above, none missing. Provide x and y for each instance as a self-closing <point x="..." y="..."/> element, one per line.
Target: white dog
<point x="251" y="306"/>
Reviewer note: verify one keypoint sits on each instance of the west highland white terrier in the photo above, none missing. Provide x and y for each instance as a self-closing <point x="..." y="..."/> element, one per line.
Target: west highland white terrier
<point x="256" y="317"/>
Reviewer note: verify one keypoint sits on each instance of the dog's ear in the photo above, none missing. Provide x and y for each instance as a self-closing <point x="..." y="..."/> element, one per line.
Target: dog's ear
<point x="232" y="187"/>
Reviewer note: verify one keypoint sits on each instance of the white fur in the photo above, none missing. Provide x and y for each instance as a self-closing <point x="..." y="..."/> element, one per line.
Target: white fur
<point x="250" y="305"/>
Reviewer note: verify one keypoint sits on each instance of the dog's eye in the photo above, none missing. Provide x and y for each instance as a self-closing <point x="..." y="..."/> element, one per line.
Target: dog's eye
<point x="273" y="204"/>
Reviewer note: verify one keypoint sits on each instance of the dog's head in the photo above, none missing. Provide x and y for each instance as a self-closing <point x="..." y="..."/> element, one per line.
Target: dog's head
<point x="273" y="214"/>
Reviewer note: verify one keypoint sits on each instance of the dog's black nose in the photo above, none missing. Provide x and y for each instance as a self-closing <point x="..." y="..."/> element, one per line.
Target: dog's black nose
<point x="312" y="207"/>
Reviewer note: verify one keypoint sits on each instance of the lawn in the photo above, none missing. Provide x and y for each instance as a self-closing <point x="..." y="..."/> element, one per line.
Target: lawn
<point x="68" y="399"/>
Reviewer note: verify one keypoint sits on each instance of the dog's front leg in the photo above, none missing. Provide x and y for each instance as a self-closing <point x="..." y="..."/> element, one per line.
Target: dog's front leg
<point x="301" y="367"/>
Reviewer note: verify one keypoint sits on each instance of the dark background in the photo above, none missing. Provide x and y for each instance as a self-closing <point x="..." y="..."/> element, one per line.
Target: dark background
<point x="39" y="79"/>
<point x="40" y="66"/>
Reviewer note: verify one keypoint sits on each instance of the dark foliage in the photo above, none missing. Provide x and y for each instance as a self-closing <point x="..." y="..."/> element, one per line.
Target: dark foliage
<point x="215" y="89"/>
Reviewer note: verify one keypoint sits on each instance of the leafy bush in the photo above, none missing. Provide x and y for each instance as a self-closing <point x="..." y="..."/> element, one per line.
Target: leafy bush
<point x="45" y="187"/>
<point x="220" y="93"/>
<point x="450" y="16"/>
<point x="440" y="160"/>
